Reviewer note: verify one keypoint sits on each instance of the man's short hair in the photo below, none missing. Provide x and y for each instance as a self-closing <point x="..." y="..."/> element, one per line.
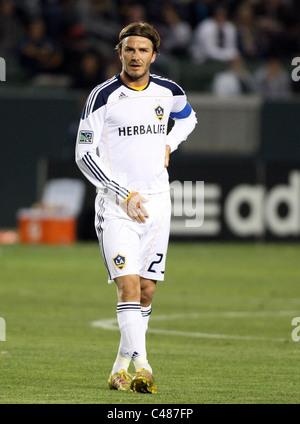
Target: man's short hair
<point x="140" y="29"/>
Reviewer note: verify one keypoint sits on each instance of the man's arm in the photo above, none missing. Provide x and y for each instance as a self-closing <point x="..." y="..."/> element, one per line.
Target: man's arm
<point x="167" y="155"/>
<point x="184" y="123"/>
<point x="88" y="159"/>
<point x="91" y="165"/>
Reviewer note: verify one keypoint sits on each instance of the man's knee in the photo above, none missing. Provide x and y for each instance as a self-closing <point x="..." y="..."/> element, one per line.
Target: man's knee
<point x="128" y="288"/>
<point x="147" y="291"/>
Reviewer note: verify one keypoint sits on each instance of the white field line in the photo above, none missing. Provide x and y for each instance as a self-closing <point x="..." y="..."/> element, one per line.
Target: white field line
<point x="112" y="324"/>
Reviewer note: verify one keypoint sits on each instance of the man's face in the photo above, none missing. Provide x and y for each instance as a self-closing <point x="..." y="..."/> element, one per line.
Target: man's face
<point x="136" y="56"/>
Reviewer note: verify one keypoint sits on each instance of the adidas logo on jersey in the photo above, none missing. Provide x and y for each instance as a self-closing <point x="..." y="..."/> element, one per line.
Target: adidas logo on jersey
<point x="122" y="96"/>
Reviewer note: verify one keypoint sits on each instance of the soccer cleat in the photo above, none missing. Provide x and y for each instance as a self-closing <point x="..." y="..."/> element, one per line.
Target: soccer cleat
<point x="120" y="381"/>
<point x="143" y="382"/>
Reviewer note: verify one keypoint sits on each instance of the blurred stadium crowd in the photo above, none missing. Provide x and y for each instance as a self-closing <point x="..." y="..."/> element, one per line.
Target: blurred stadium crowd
<point x="71" y="41"/>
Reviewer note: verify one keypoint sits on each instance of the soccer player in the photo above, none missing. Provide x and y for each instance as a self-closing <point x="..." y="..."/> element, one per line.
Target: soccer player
<point x="123" y="148"/>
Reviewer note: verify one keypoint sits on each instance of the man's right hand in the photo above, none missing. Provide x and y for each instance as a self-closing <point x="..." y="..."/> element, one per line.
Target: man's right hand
<point x="134" y="207"/>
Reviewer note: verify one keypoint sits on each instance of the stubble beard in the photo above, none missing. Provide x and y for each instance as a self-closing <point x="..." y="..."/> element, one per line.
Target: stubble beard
<point x="134" y="77"/>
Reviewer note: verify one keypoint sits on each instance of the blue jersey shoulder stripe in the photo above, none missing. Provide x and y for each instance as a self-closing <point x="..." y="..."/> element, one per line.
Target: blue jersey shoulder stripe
<point x="184" y="113"/>
<point x="98" y="97"/>
<point x="102" y="97"/>
<point x="91" y="97"/>
<point x="171" y="85"/>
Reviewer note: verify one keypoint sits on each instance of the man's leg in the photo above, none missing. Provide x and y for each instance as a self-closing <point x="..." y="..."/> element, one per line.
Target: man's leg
<point x="132" y="328"/>
<point x="133" y="332"/>
<point x="143" y="381"/>
<point x="147" y="293"/>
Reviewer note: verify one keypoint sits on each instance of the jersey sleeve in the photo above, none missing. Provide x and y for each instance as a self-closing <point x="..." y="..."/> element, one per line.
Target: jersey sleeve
<point x="181" y="112"/>
<point x="87" y="155"/>
<point x="184" y="121"/>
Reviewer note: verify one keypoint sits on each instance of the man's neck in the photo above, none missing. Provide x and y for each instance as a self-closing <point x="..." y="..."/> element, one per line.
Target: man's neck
<point x="141" y="82"/>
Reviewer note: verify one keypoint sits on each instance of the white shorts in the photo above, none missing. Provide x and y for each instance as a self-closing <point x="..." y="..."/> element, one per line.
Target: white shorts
<point x="128" y="247"/>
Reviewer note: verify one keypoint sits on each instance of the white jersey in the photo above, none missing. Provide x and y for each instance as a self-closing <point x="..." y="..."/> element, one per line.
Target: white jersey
<point x="123" y="133"/>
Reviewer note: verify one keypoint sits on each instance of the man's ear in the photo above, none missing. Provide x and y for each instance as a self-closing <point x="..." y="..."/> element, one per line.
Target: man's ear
<point x="153" y="57"/>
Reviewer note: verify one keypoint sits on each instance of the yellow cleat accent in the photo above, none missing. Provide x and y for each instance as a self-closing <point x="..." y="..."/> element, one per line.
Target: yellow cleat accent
<point x="120" y="381"/>
<point x="143" y="382"/>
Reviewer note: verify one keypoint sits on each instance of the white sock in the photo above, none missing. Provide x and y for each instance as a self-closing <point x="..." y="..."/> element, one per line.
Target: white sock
<point x="142" y="360"/>
<point x="132" y="342"/>
<point x="146" y="312"/>
<point x="121" y="363"/>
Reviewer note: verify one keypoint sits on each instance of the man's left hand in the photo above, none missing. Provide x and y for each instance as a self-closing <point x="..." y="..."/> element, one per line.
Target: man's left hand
<point x="167" y="156"/>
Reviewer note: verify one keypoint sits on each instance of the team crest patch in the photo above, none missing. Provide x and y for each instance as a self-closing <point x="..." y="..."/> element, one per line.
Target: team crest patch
<point x="159" y="111"/>
<point x="119" y="261"/>
<point x="86" y="137"/>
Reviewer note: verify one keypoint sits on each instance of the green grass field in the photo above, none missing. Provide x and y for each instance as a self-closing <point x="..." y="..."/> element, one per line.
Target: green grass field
<point x="220" y="330"/>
